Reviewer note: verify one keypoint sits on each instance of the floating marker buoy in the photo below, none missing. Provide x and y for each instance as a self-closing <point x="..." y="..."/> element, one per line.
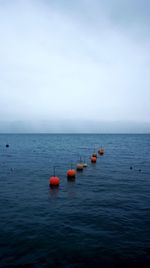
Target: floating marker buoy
<point x="71" y="173"/>
<point x="79" y="167"/>
<point x="93" y="159"/>
<point x="7" y="145"/>
<point x="54" y="181"/>
<point x="101" y="151"/>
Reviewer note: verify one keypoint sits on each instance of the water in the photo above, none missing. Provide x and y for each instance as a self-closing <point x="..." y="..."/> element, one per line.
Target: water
<point x="102" y="219"/>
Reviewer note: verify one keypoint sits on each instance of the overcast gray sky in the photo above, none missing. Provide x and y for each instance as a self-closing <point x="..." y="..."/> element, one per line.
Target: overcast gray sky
<point x="70" y="60"/>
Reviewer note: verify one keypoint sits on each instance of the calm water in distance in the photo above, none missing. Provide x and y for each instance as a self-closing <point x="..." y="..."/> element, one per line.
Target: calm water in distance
<point x="102" y="219"/>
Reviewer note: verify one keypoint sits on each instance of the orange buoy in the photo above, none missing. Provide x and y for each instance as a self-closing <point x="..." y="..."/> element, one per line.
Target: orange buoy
<point x="93" y="159"/>
<point x="101" y="151"/>
<point x="54" y="181"/>
<point x="71" y="173"/>
<point x="79" y="167"/>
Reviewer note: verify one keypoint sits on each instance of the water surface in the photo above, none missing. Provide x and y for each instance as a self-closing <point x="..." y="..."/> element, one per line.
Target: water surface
<point x="102" y="219"/>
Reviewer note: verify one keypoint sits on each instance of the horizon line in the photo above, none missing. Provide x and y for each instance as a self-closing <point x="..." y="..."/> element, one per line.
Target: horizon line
<point x="75" y="133"/>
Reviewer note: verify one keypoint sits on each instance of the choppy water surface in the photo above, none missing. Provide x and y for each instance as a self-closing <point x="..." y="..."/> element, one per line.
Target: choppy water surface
<point x="102" y="219"/>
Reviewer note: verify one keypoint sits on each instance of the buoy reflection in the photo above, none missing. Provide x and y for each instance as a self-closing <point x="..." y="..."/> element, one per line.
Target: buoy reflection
<point x="54" y="191"/>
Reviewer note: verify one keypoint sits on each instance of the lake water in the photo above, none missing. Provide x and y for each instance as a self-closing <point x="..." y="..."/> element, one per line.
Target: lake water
<point x="102" y="219"/>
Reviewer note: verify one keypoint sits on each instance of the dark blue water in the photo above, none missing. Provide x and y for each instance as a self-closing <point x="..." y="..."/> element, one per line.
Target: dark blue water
<point x="102" y="219"/>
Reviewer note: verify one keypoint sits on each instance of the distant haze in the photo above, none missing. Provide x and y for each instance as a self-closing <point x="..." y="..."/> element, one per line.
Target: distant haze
<point x="74" y="126"/>
<point x="75" y="66"/>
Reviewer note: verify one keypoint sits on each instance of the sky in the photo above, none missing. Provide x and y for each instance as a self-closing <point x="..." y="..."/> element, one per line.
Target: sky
<point x="69" y="66"/>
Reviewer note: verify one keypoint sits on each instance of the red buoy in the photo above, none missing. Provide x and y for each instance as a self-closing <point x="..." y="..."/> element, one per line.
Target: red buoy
<point x="93" y="159"/>
<point x="54" y="181"/>
<point x="71" y="173"/>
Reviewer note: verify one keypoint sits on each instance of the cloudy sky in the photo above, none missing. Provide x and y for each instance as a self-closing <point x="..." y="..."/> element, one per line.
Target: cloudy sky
<point x="74" y="62"/>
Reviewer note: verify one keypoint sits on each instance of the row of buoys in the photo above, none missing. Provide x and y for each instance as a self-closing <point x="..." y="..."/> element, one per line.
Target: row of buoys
<point x="71" y="173"/>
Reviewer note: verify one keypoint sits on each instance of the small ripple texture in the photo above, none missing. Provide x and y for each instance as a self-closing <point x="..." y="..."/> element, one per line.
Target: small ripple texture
<point x="100" y="219"/>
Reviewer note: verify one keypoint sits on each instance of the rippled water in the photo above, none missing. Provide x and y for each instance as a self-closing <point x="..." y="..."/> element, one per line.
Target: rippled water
<point x="102" y="219"/>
